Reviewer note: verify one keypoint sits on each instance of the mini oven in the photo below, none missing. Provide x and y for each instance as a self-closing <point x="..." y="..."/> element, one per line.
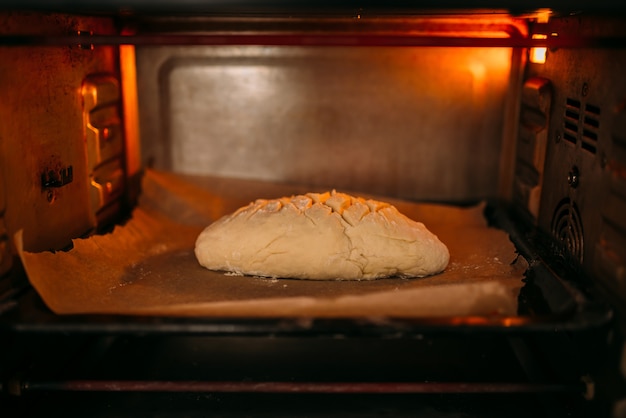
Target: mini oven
<point x="517" y="109"/>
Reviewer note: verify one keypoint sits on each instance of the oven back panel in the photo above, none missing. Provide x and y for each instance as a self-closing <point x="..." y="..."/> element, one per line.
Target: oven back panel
<point x="422" y="123"/>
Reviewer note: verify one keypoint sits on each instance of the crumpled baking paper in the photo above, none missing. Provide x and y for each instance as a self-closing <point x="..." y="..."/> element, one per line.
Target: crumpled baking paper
<point x="147" y="265"/>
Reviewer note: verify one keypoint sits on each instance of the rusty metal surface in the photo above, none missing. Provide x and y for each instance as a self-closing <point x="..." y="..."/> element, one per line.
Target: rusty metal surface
<point x="42" y="152"/>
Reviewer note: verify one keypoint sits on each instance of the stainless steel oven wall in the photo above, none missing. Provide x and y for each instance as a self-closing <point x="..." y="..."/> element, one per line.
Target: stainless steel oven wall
<point x="421" y="123"/>
<point x="61" y="165"/>
<point x="580" y="100"/>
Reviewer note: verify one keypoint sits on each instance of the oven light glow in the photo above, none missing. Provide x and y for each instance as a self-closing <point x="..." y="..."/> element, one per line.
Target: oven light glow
<point x="543" y="15"/>
<point x="538" y="54"/>
<point x="131" y="109"/>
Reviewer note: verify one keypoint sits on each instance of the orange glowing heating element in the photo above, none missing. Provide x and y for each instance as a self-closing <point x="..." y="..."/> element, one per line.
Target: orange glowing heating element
<point x="538" y="54"/>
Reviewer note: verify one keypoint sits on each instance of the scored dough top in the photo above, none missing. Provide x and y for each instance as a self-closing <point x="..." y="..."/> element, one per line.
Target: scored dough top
<point x="321" y="236"/>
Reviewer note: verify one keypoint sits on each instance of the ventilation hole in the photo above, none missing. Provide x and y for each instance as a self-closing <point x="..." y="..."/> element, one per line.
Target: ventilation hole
<point x="592" y="122"/>
<point x="573" y="103"/>
<point x="569" y="137"/>
<point x="587" y="131"/>
<point x="592" y="109"/>
<point x="570" y="121"/>
<point x="571" y="127"/>
<point x="588" y="147"/>
<point x="570" y="114"/>
<point x="567" y="228"/>
<point x="590" y="135"/>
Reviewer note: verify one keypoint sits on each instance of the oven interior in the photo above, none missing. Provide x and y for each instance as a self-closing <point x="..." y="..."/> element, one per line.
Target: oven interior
<point x="520" y="108"/>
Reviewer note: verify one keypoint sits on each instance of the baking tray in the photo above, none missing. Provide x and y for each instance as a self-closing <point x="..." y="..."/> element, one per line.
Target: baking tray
<point x="547" y="301"/>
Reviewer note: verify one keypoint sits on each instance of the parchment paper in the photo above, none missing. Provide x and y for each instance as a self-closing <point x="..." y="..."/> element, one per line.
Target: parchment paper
<point x="147" y="266"/>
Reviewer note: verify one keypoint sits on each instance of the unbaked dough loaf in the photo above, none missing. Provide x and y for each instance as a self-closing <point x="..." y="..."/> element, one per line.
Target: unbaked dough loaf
<point x="321" y="236"/>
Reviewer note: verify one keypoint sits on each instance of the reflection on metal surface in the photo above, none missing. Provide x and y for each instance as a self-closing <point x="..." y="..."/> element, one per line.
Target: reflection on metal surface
<point x="107" y="183"/>
<point x="329" y="117"/>
<point x="131" y="117"/>
<point x="103" y="135"/>
<point x="532" y="143"/>
<point x="537" y="55"/>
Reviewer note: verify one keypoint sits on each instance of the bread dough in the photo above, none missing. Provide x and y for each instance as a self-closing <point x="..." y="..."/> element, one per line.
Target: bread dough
<point x="321" y="236"/>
